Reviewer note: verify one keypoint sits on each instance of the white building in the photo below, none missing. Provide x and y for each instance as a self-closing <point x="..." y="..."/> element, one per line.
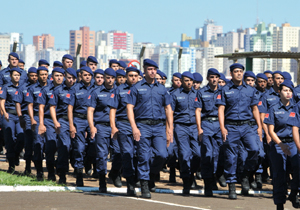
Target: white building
<point x="4" y="49"/>
<point x="30" y="56"/>
<point x="210" y="30"/>
<point x="16" y="37"/>
<point x="51" y="55"/>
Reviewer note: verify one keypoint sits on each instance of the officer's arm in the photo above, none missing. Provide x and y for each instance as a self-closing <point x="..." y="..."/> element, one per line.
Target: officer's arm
<point x="169" y="116"/>
<point x="296" y="137"/>
<point x="70" y="115"/>
<point x="112" y="117"/>
<point x="198" y="118"/>
<point x="41" y="114"/>
<point x="130" y="115"/>
<point x="18" y="109"/>
<point x="53" y="114"/>
<point x="30" y="111"/>
<point x="90" y="119"/>
<point x="256" y="116"/>
<point x="2" y="106"/>
<point x="265" y="127"/>
<point x="221" y="116"/>
<point x="273" y="135"/>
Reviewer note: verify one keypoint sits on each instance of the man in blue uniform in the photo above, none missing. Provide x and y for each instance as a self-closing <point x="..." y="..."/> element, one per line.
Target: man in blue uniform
<point x="67" y="61"/>
<point x="209" y="132"/>
<point x="92" y="63"/>
<point x="99" y="77"/>
<point x="185" y="130"/>
<point x="144" y="110"/>
<point x="176" y="82"/>
<point x="44" y="63"/>
<point x="122" y="65"/>
<point x="0" y="65"/>
<point x="197" y="80"/>
<point x="21" y="64"/>
<point x="22" y="111"/>
<point x="82" y="63"/>
<point x="57" y="64"/>
<point x="121" y="77"/>
<point x="234" y="118"/>
<point x="122" y="128"/>
<point x="58" y="111"/>
<point x="32" y="95"/>
<point x="222" y="80"/>
<point x="114" y="64"/>
<point x="77" y="116"/>
<point x="269" y="75"/>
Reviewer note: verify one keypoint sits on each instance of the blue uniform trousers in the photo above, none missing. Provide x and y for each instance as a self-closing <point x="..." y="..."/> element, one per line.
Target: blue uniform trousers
<point x="102" y="141"/>
<point x="172" y="154"/>
<point x="127" y="148"/>
<point x="28" y="138"/>
<point x="151" y="149"/>
<point x="51" y="141"/>
<point x="279" y="163"/>
<point x="63" y="145"/>
<point x="237" y="134"/>
<point x="116" y="155"/>
<point x="186" y="137"/>
<point x="210" y="148"/>
<point x="13" y="135"/>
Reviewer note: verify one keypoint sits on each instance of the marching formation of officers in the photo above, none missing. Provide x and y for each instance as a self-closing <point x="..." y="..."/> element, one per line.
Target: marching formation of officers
<point x="227" y="132"/>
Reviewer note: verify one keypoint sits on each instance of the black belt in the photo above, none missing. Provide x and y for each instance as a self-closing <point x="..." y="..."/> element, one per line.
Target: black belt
<point x="122" y="120"/>
<point x="210" y="119"/>
<point x="150" y="122"/>
<point x="82" y="116"/>
<point x="181" y="123"/>
<point x="286" y="140"/>
<point x="238" y="122"/>
<point x="252" y="123"/>
<point x="63" y="116"/>
<point x="11" y="111"/>
<point x="103" y="123"/>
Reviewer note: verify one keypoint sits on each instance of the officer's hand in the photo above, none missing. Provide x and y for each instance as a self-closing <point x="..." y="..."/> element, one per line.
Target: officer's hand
<point x="93" y="132"/>
<point x="72" y="131"/>
<point x="114" y="133"/>
<point x="224" y="134"/>
<point x="200" y="134"/>
<point x="268" y="137"/>
<point x="6" y="116"/>
<point x="42" y="129"/>
<point x="33" y="125"/>
<point x="285" y="148"/>
<point x="259" y="132"/>
<point x="57" y="127"/>
<point x="136" y="134"/>
<point x="169" y="134"/>
<point x="22" y="122"/>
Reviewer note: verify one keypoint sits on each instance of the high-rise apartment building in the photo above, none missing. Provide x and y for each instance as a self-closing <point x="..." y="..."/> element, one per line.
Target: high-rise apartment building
<point x="43" y="42"/>
<point x="4" y="48"/>
<point x="16" y="37"/>
<point x="120" y="40"/>
<point x="210" y="30"/>
<point x="86" y="38"/>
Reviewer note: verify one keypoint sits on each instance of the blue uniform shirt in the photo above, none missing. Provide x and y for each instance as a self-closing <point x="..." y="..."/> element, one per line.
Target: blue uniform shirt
<point x="278" y="116"/>
<point x="100" y="99"/>
<point x="9" y="92"/>
<point x="58" y="98"/>
<point x="45" y="96"/>
<point x="148" y="100"/>
<point x="267" y="100"/>
<point x="33" y="93"/>
<point x="206" y="100"/>
<point x="5" y="76"/>
<point x="183" y="105"/>
<point x="294" y="118"/>
<point x="296" y="94"/>
<point x="238" y="101"/>
<point x="20" y="97"/>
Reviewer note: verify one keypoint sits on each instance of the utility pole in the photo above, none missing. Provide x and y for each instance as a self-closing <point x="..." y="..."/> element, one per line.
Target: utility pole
<point x="141" y="57"/>
<point x="179" y="59"/>
<point x="15" y="46"/>
<point x="78" y="56"/>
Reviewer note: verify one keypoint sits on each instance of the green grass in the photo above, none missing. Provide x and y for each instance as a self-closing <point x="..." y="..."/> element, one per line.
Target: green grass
<point x="12" y="180"/>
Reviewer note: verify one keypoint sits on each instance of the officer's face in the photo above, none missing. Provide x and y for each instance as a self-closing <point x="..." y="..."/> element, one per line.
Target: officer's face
<point x="158" y="78"/>
<point x="187" y="83"/>
<point x="163" y="81"/>
<point x="15" y="76"/>
<point x="150" y="72"/>
<point x="114" y="66"/>
<point x="120" y="67"/>
<point x="261" y="84"/>
<point x="237" y="74"/>
<point x="67" y="63"/>
<point x="222" y="82"/>
<point x="58" y="78"/>
<point x="176" y="82"/>
<point x="132" y="77"/>
<point x="86" y="77"/>
<point x="44" y="65"/>
<point x="270" y="79"/>
<point x="70" y="80"/>
<point x="140" y="78"/>
<point x="109" y="80"/>
<point x="250" y="81"/>
<point x="197" y="85"/>
<point x="32" y="77"/>
<point x="21" y="65"/>
<point x="92" y="65"/>
<point x="43" y="76"/>
<point x="99" y="79"/>
<point x="13" y="61"/>
<point x="213" y="80"/>
<point x="121" y="80"/>
<point x="286" y="93"/>
<point x="277" y="79"/>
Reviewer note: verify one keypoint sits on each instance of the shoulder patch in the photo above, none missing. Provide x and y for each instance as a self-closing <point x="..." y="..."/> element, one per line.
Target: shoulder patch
<point x="89" y="97"/>
<point x="219" y="96"/>
<point x="196" y="99"/>
<point x="40" y="94"/>
<point x="68" y="95"/>
<point x="1" y="91"/>
<point x="27" y="94"/>
<point x="51" y="96"/>
<point x="292" y="114"/>
<point x="16" y="93"/>
<point x="267" y="115"/>
<point x="259" y="103"/>
<point x="128" y="92"/>
<point x="112" y="95"/>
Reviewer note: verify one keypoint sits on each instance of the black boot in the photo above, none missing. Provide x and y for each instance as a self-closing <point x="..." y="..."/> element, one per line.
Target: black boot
<point x="186" y="186"/>
<point x="39" y="170"/>
<point x="62" y="177"/>
<point x="114" y="175"/>
<point x="151" y="183"/>
<point x="145" y="189"/>
<point x="79" y="177"/>
<point x="27" y="171"/>
<point x="17" y="159"/>
<point x="11" y="167"/>
<point x="280" y="206"/>
<point x="193" y="181"/>
<point x="172" y="177"/>
<point x="51" y="172"/>
<point x="245" y="183"/>
<point x="198" y="175"/>
<point x="252" y="182"/>
<point x="208" y="186"/>
<point x="102" y="184"/>
<point x="258" y="180"/>
<point x="293" y="197"/>
<point x="95" y="174"/>
<point x="130" y="186"/>
<point x="232" y="192"/>
<point x="222" y="181"/>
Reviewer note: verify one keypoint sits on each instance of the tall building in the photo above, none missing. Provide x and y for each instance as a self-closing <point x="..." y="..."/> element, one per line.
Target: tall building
<point x="86" y="38"/>
<point x="29" y="56"/>
<point x="210" y="30"/>
<point x="4" y="48"/>
<point x="43" y="42"/>
<point x="198" y="33"/>
<point x="16" y="37"/>
<point x="120" y="40"/>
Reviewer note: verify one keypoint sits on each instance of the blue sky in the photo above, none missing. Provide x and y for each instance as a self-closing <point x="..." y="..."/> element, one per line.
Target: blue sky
<point x="150" y="21"/>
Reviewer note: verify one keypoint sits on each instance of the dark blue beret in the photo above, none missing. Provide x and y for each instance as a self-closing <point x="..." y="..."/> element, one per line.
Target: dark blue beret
<point x="92" y="59"/>
<point x="164" y="75"/>
<point x="222" y="77"/>
<point x="14" y="55"/>
<point x="113" y="61"/>
<point x="57" y="63"/>
<point x="177" y="74"/>
<point x="72" y="72"/>
<point x="21" y="61"/>
<point x="159" y="72"/>
<point x="286" y="75"/>
<point x="187" y="74"/>
<point x="87" y="69"/>
<point x="141" y="74"/>
<point x="42" y="68"/>
<point x="213" y="71"/>
<point x="249" y="74"/>
<point x="120" y="72"/>
<point x="288" y="83"/>
<point x="197" y="77"/>
<point x="43" y="62"/>
<point x="268" y="71"/>
<point x="129" y="69"/>
<point x="77" y="71"/>
<point x="67" y="56"/>
<point x="99" y="71"/>
<point x="0" y="63"/>
<point x="110" y="72"/>
<point x="32" y="70"/>
<point x="148" y="62"/>
<point x="83" y="63"/>
<point x="122" y="64"/>
<point x="236" y="65"/>
<point x="262" y="76"/>
<point x="278" y="72"/>
<point x="59" y="70"/>
<point x="16" y="69"/>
